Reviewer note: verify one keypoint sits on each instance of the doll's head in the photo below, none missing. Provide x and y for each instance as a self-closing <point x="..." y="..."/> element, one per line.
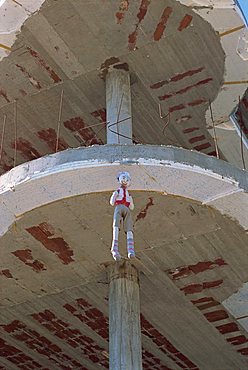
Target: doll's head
<point x="124" y="178"/>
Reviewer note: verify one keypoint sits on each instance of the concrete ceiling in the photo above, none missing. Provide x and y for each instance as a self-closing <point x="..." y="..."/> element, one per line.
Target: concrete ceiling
<point x="54" y="302"/>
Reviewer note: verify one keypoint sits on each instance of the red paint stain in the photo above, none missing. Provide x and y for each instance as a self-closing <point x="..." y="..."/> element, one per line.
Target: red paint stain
<point x="186" y="89"/>
<point x="202" y="146"/>
<point x="162" y="24"/>
<point x="49" y="136"/>
<point x="195" y="139"/>
<point x="143" y="212"/>
<point x="235" y="341"/>
<point x="190" y="129"/>
<point x="176" y="108"/>
<point x="25" y="255"/>
<point x="228" y="328"/>
<point x="43" y="64"/>
<point x="17" y="357"/>
<point x="183" y="119"/>
<point x="106" y="65"/>
<point x="185" y="22"/>
<point x="122" y="9"/>
<point x="44" y="233"/>
<point x="177" y="77"/>
<point x="3" y="94"/>
<point x="6" y="273"/>
<point x="26" y="149"/>
<point x="78" y="127"/>
<point x="100" y="114"/>
<point x="165" y="345"/>
<point x="89" y="316"/>
<point x="132" y="38"/>
<point x="31" y="79"/>
<point x="38" y="343"/>
<point x="72" y="336"/>
<point x="197" y="288"/>
<point x="216" y="315"/>
<point x="184" y="271"/>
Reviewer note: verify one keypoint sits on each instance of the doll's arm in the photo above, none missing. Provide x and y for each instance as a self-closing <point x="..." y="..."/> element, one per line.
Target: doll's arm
<point x="131" y="205"/>
<point x="113" y="198"/>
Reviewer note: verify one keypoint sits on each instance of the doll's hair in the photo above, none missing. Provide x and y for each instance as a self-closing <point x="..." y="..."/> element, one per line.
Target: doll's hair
<point x="124" y="173"/>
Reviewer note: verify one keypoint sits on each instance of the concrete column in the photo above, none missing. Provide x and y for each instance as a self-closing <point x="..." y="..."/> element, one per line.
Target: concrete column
<point x="118" y="106"/>
<point x="124" y="318"/>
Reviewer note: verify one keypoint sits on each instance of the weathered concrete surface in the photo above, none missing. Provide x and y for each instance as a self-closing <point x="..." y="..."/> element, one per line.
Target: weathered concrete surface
<point x="55" y="288"/>
<point x="153" y="168"/>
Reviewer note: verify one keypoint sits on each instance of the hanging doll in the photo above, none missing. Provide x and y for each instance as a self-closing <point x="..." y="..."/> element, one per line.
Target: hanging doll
<point x="123" y="203"/>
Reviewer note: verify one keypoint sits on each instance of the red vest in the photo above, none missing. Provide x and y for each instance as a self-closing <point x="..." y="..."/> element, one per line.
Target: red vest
<point x="123" y="200"/>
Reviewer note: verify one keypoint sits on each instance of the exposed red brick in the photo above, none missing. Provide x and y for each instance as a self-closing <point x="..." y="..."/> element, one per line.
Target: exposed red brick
<point x="176" y="108"/>
<point x="132" y="38"/>
<point x="31" y="79"/>
<point x="216" y="315"/>
<point x="44" y="233"/>
<point x="100" y="114"/>
<point x="165" y="345"/>
<point x="80" y="130"/>
<point x="49" y="136"/>
<point x="90" y="316"/>
<point x="72" y="336"/>
<point x="190" y="129"/>
<point x="25" y="255"/>
<point x="142" y="214"/>
<point x="196" y="102"/>
<point x="214" y="153"/>
<point x="26" y="149"/>
<point x="185" y="22"/>
<point x="17" y="357"/>
<point x="123" y="7"/>
<point x="235" y="341"/>
<point x="186" y="89"/>
<point x="6" y="273"/>
<point x="38" y="343"/>
<point x="177" y="77"/>
<point x="228" y="328"/>
<point x="162" y="23"/>
<point x="183" y="271"/>
<point x="195" y="139"/>
<point x="197" y="288"/>
<point x="43" y="64"/>
<point x="243" y="351"/>
<point x="202" y="146"/>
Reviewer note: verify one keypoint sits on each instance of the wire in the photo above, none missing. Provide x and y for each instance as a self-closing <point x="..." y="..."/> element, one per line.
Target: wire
<point x="59" y="120"/>
<point x="15" y="127"/>
<point x="164" y="116"/>
<point x="2" y="138"/>
<point x="241" y="136"/>
<point x="215" y="137"/>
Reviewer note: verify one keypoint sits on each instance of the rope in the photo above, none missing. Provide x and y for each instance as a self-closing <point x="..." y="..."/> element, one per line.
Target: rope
<point x="215" y="137"/>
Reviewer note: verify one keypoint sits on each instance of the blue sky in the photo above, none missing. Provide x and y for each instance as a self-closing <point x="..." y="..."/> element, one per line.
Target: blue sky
<point x="243" y="5"/>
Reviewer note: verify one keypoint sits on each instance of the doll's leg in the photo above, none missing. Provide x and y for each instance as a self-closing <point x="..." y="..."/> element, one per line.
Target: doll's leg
<point x="114" y="249"/>
<point x="130" y="245"/>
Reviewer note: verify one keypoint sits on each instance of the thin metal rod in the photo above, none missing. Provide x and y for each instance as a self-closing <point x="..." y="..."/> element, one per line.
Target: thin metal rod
<point x="59" y="120"/>
<point x="241" y="136"/>
<point x="15" y="126"/>
<point x="2" y="138"/>
<point x="215" y="137"/>
<point x="118" y="116"/>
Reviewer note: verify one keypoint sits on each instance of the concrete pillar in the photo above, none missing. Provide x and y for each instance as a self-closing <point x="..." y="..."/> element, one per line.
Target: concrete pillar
<point x="124" y="317"/>
<point x="118" y="106"/>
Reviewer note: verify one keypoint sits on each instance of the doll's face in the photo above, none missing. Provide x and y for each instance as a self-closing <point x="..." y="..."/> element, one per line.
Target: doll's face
<point x="124" y="179"/>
